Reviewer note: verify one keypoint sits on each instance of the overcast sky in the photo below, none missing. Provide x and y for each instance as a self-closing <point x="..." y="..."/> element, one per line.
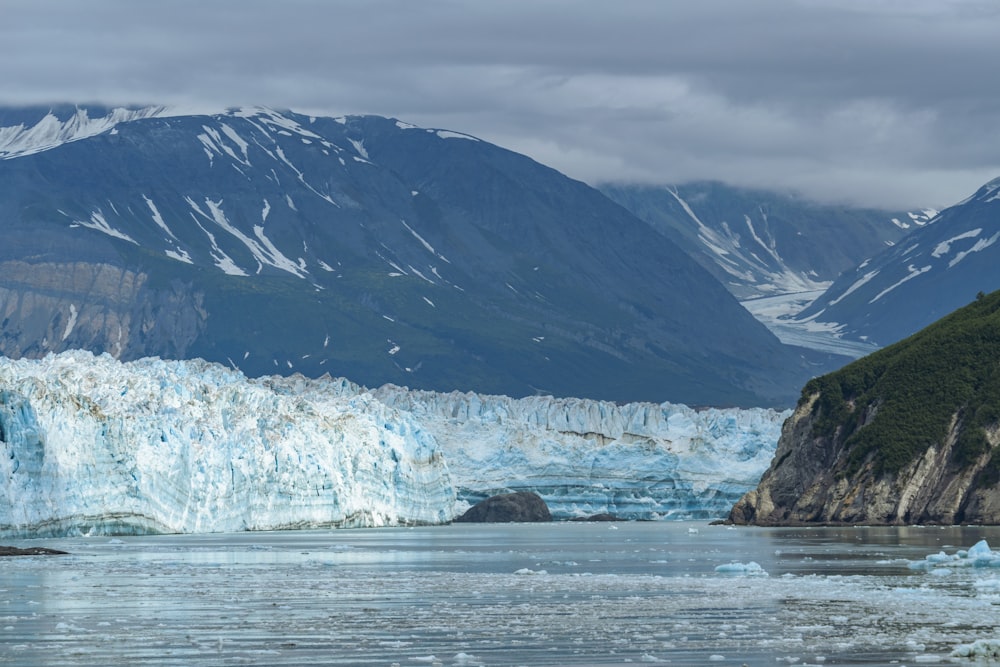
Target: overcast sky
<point x="892" y="103"/>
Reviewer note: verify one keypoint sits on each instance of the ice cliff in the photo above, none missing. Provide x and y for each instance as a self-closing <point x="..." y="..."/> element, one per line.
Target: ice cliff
<point x="637" y="460"/>
<point x="94" y="445"/>
<point x="90" y="444"/>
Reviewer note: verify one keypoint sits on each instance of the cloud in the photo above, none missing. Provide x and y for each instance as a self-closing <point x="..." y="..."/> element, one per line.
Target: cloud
<point x="880" y="102"/>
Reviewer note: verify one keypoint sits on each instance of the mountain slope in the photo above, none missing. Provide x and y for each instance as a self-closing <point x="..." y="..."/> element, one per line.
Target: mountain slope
<point x="937" y="269"/>
<point x="368" y="248"/>
<point x="761" y="243"/>
<point x="909" y="434"/>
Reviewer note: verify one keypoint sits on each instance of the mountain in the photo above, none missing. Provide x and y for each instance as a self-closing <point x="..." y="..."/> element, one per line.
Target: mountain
<point x="760" y="243"/>
<point x="91" y="445"/>
<point x="936" y="270"/>
<point x="907" y="435"/>
<point x="361" y="246"/>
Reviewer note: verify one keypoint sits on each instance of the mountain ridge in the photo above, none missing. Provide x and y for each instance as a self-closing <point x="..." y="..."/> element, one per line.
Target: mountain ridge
<point x="368" y="247"/>
<point x="763" y="243"/>
<point x="939" y="268"/>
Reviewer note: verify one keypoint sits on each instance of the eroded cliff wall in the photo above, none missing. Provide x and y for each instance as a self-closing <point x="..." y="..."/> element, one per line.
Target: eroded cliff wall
<point x="813" y="479"/>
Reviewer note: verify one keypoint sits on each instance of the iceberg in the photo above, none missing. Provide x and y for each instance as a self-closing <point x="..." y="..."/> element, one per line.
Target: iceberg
<point x="978" y="555"/>
<point x="751" y="569"/>
<point x="91" y="445"/>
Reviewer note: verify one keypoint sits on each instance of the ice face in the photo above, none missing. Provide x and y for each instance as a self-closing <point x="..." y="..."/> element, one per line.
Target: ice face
<point x="91" y="444"/>
<point x="96" y="445"/>
<point x="638" y="460"/>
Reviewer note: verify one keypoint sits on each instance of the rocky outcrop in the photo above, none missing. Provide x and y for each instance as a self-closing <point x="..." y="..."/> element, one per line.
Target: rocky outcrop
<point x="520" y="507"/>
<point x="48" y="307"/>
<point x="812" y="481"/>
<point x="909" y="434"/>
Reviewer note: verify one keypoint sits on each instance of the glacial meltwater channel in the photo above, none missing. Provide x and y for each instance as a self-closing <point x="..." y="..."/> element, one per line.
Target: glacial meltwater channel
<point x="539" y="594"/>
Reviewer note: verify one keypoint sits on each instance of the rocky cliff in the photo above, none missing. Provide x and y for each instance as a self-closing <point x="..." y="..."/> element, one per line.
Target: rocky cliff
<point x="54" y="306"/>
<point x="907" y="435"/>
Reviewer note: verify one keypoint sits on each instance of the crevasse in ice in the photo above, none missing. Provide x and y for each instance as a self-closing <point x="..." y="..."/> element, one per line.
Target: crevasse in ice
<point x="89" y="444"/>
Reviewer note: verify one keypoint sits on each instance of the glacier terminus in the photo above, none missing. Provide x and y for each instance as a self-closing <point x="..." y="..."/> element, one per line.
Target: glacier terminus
<point x="92" y="445"/>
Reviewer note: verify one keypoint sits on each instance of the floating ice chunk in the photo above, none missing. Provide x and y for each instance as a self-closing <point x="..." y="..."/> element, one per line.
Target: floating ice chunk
<point x="646" y="657"/>
<point x="528" y="572"/>
<point x="986" y="650"/>
<point x="981" y="551"/>
<point x="991" y="585"/>
<point x="979" y="555"/>
<point x="752" y="569"/>
<point x="715" y="657"/>
<point x="466" y="659"/>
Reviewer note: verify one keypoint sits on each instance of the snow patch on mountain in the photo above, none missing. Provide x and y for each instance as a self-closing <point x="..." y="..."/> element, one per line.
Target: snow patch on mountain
<point x="944" y="247"/>
<point x="99" y="223"/>
<point x="51" y="131"/>
<point x="978" y="246"/>
<point x="912" y="272"/>
<point x="157" y="218"/>
<point x="758" y="277"/>
<point x="858" y="284"/>
<point x="917" y="218"/>
<point x="448" y="134"/>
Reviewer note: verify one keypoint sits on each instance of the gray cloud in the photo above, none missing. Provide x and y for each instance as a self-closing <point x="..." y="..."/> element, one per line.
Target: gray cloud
<point x="883" y="102"/>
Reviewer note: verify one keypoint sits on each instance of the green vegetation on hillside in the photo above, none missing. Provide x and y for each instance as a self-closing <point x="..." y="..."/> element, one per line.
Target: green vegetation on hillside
<point x="908" y="393"/>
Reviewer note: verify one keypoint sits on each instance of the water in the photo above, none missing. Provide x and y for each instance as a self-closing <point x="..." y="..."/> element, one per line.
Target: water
<point x="543" y="594"/>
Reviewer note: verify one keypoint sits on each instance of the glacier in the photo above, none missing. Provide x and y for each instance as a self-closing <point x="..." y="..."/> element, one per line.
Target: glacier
<point x="95" y="446"/>
<point x="91" y="445"/>
<point x="586" y="457"/>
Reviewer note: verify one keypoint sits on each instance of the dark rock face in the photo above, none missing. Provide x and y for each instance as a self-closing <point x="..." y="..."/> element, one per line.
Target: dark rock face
<point x="810" y="481"/>
<point x="520" y="507"/>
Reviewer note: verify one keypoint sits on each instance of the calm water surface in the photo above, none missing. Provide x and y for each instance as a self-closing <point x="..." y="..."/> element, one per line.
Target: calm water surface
<point x="540" y="594"/>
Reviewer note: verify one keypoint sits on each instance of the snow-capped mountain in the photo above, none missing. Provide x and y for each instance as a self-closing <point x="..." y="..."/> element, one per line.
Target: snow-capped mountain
<point x="33" y="129"/>
<point x="934" y="271"/>
<point x="93" y="445"/>
<point x="363" y="246"/>
<point x="760" y="243"/>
